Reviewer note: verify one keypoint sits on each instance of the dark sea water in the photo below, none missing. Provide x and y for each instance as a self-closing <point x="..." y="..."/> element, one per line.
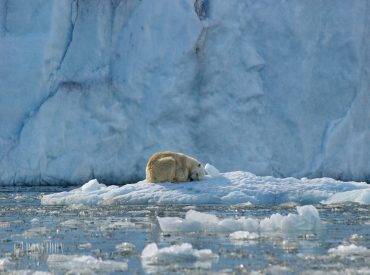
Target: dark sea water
<point x="30" y="233"/>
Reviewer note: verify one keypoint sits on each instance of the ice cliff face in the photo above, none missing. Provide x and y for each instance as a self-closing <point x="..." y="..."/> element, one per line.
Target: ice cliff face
<point x="89" y="89"/>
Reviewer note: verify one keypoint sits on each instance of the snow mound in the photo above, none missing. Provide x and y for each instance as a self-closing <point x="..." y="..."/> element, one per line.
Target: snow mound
<point x="227" y="189"/>
<point x="176" y="253"/>
<point x="307" y="219"/>
<point x="84" y="264"/>
<point x="346" y="250"/>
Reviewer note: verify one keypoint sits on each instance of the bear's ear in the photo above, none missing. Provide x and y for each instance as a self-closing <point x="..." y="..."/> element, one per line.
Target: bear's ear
<point x="198" y="164"/>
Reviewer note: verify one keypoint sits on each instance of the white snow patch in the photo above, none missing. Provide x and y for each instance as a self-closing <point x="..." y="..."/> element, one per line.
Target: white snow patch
<point x="229" y="188"/>
<point x="307" y="219"/>
<point x="84" y="264"/>
<point x="175" y="253"/>
<point x="346" y="250"/>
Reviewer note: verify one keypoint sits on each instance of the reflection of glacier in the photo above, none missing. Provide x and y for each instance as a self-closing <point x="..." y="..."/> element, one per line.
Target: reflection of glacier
<point x="92" y="88"/>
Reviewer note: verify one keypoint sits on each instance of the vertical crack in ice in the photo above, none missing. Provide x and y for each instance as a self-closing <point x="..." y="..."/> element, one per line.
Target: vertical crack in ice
<point x="73" y="19"/>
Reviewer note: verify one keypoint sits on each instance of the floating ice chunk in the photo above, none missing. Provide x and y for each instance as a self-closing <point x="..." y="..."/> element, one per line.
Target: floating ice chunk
<point x="307" y="219"/>
<point x="84" y="246"/>
<point x="72" y="223"/>
<point x="243" y="235"/>
<point x="212" y="171"/>
<point x="28" y="272"/>
<point x="227" y="189"/>
<point x="84" y="264"/>
<point x="125" y="248"/>
<point x="346" y="250"/>
<point x="175" y="253"/>
<point x="34" y="220"/>
<point x="36" y="231"/>
<point x="5" y="264"/>
<point x="117" y="225"/>
<point x="361" y="196"/>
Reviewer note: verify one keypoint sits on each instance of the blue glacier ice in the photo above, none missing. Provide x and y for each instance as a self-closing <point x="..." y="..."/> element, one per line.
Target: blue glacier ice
<point x="90" y="89"/>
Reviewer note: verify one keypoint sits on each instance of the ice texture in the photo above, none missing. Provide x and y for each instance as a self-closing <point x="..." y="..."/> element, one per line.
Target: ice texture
<point x="83" y="264"/>
<point x="307" y="220"/>
<point x="227" y="189"/>
<point x="90" y="89"/>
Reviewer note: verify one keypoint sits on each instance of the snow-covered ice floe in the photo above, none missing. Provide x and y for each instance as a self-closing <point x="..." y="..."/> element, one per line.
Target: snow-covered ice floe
<point x="307" y="219"/>
<point x="83" y="264"/>
<point x="221" y="188"/>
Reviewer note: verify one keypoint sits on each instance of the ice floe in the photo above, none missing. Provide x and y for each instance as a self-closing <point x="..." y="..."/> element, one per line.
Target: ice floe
<point x="349" y="250"/>
<point x="152" y="255"/>
<point x="225" y="188"/>
<point x="243" y="235"/>
<point x="307" y="219"/>
<point x="125" y="248"/>
<point x="84" y="264"/>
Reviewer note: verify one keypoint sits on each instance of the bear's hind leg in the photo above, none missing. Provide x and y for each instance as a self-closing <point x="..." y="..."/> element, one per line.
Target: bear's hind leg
<point x="165" y="169"/>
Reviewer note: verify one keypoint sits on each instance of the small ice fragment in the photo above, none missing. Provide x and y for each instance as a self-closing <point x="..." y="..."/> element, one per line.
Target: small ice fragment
<point x="211" y="170"/>
<point x="29" y="272"/>
<point x="174" y="254"/>
<point x="84" y="246"/>
<point x="84" y="264"/>
<point x="35" y="220"/>
<point x="243" y="235"/>
<point x="125" y="248"/>
<point x="5" y="264"/>
<point x="356" y="237"/>
<point x="117" y="225"/>
<point x="345" y="250"/>
<point x="72" y="223"/>
<point x="36" y="231"/>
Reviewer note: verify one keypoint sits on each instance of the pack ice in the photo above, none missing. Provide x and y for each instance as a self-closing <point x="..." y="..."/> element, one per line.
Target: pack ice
<point x="223" y="188"/>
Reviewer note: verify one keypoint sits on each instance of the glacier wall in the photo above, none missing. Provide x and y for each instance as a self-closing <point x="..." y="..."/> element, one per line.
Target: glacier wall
<point x="91" y="88"/>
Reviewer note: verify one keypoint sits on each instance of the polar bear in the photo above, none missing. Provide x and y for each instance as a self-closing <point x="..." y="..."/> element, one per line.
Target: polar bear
<point x="173" y="167"/>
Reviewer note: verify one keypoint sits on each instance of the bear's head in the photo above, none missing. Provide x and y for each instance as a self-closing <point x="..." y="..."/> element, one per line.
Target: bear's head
<point x="198" y="172"/>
